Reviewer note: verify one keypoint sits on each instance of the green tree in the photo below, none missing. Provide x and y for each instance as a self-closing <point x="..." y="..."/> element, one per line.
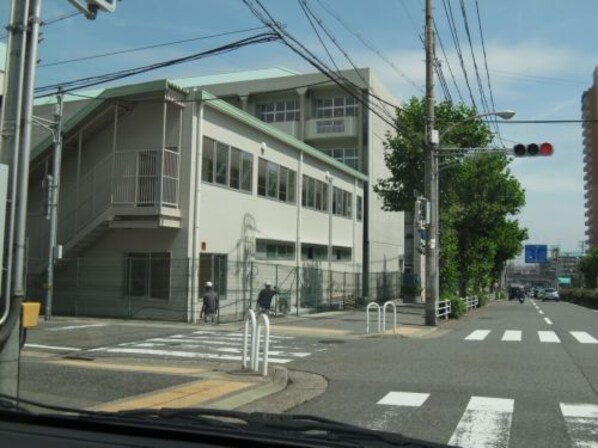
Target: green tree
<point x="588" y="266"/>
<point x="478" y="195"/>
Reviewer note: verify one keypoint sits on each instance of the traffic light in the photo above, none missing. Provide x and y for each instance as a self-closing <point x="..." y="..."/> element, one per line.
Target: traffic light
<point x="533" y="150"/>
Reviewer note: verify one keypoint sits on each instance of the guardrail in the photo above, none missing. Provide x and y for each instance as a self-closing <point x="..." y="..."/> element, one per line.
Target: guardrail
<point x="443" y="308"/>
<point x="253" y="330"/>
<point x="381" y="319"/>
<point x="471" y="303"/>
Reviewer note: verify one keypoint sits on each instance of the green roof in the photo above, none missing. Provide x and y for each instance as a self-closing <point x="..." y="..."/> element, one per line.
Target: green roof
<point x="225" y="78"/>
<point x="232" y="111"/>
<point x="102" y="97"/>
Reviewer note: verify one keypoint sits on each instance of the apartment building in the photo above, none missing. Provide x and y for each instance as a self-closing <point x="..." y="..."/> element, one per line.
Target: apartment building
<point x="164" y="187"/>
<point x="589" y="108"/>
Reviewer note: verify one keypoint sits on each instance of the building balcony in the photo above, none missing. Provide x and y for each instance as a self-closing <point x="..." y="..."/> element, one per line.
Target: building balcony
<point x="128" y="189"/>
<point x="325" y="128"/>
<point x="289" y="127"/>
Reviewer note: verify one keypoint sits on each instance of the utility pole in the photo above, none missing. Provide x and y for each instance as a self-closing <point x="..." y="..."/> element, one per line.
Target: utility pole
<point x="23" y="32"/>
<point x="431" y="174"/>
<point x="53" y="186"/>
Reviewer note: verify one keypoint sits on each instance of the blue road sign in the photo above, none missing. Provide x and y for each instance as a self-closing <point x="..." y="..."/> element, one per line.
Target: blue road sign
<point x="536" y="253"/>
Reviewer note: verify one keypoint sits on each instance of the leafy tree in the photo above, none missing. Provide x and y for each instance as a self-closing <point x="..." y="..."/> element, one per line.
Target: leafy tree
<point x="478" y="195"/>
<point x="588" y="266"/>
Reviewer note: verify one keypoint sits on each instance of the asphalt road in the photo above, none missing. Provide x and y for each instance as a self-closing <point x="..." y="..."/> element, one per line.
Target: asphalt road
<point x="508" y="375"/>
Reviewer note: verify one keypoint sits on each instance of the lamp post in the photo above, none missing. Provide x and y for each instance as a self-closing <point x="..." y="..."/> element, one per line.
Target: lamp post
<point x="432" y="237"/>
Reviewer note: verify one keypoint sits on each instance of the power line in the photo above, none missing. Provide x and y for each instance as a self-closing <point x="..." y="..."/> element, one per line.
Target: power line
<point x="148" y="47"/>
<point x="298" y="48"/>
<point x="473" y="58"/>
<point x="446" y="60"/>
<point x="485" y="57"/>
<point x="52" y="21"/>
<point x="453" y="29"/>
<point x="370" y="46"/>
<point x="107" y="77"/>
<point x="345" y="54"/>
<point x="313" y="26"/>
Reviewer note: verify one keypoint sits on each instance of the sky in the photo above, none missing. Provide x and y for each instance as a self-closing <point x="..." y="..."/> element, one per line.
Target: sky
<point x="540" y="55"/>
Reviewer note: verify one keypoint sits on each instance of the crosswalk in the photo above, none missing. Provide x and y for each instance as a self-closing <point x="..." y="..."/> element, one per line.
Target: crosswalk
<point x="487" y="421"/>
<point x="213" y="345"/>
<point x="546" y="336"/>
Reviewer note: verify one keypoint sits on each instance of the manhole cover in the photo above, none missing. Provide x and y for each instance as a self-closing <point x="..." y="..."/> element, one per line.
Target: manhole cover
<point x="332" y="341"/>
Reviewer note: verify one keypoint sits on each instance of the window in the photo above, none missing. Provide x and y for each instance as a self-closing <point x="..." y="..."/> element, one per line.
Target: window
<point x="225" y="165"/>
<point x="348" y="156"/>
<point x="279" y="111"/>
<point x="341" y="253"/>
<point x="207" y="164"/>
<point x="246" y="171"/>
<point x="235" y="168"/>
<point x="221" y="172"/>
<point x="275" y="181"/>
<point x="148" y="275"/>
<point x="336" y="107"/>
<point x="314" y="194"/>
<point x="314" y="252"/>
<point x="342" y="203"/>
<point x="272" y="179"/>
<point x="359" y="207"/>
<point x="270" y="249"/>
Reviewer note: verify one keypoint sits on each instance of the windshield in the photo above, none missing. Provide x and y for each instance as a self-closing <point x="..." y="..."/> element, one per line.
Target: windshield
<point x="377" y="213"/>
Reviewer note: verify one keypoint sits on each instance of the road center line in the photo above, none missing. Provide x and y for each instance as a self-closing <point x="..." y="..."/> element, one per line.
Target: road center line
<point x="478" y="335"/>
<point x="486" y="422"/>
<point x="548" y="321"/>
<point x="584" y="337"/>
<point x="540" y="311"/>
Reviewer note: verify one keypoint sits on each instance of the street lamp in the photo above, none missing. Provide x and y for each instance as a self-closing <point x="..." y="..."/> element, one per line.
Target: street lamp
<point x="432" y="242"/>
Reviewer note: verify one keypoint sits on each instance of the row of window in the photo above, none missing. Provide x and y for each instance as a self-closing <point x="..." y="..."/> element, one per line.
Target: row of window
<point x="348" y="156"/>
<point x="288" y="110"/>
<point x="276" y="182"/>
<point x="284" y="250"/>
<point x="229" y="166"/>
<point x="226" y="165"/>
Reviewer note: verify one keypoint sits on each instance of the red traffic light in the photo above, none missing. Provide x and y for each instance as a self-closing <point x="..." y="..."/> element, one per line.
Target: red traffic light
<point x="533" y="150"/>
<point x="546" y="149"/>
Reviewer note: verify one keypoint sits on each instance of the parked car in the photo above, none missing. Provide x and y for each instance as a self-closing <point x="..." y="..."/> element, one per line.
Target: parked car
<point x="550" y="294"/>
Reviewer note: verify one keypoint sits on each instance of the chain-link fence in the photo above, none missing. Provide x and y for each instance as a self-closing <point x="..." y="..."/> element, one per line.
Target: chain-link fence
<point x="153" y="286"/>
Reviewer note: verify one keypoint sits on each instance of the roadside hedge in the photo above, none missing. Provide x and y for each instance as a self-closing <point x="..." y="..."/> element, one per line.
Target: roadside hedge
<point x="583" y="297"/>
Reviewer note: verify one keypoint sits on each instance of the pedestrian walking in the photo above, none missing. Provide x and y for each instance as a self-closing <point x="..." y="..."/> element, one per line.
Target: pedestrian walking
<point x="210" y="303"/>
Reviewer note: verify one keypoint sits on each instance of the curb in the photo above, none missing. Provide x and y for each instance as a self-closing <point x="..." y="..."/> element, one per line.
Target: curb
<point x="278" y="380"/>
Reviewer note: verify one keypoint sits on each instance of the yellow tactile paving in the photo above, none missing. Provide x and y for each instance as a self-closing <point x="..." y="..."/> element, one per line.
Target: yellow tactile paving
<point x="132" y="367"/>
<point x="186" y="395"/>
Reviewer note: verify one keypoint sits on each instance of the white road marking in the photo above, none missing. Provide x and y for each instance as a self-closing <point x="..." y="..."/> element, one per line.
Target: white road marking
<point x="486" y="422"/>
<point x="584" y="337"/>
<point x="237" y="335"/>
<point x="548" y="336"/>
<point x="52" y="347"/>
<point x="582" y="423"/>
<point x="512" y="335"/>
<point x="540" y="311"/>
<point x="410" y="399"/>
<point x="180" y="354"/>
<point x="76" y="327"/>
<point x="548" y="321"/>
<point x="478" y="335"/>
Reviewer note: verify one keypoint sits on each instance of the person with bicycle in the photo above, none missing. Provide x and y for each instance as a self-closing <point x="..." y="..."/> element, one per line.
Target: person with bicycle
<point x="264" y="298"/>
